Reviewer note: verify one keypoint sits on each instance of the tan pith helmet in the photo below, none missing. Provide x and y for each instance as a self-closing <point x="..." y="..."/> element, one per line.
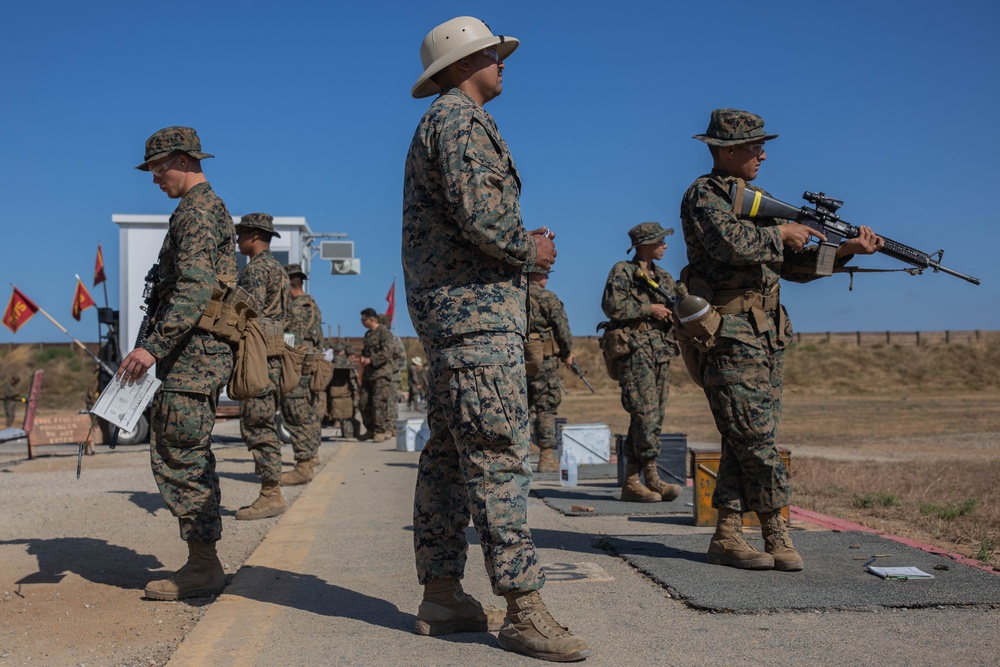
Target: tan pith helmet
<point x="450" y="42"/>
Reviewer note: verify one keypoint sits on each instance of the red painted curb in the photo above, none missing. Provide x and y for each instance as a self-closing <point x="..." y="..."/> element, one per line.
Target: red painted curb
<point x="833" y="523"/>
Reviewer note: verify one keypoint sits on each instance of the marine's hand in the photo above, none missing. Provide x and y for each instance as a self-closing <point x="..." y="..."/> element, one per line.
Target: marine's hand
<point x="661" y="312"/>
<point x="795" y="235"/>
<point x="866" y="243"/>
<point x="135" y="365"/>
<point x="569" y="360"/>
<point x="546" y="249"/>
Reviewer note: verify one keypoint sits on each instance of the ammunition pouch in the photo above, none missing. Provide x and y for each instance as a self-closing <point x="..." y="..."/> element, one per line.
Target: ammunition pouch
<point x="614" y="344"/>
<point x="274" y="333"/>
<point x="319" y="370"/>
<point x="227" y="313"/>
<point x="534" y="354"/>
<point x="291" y="365"/>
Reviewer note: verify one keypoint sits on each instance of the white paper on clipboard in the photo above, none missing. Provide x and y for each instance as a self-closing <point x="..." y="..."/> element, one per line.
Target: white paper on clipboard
<point x="122" y="403"/>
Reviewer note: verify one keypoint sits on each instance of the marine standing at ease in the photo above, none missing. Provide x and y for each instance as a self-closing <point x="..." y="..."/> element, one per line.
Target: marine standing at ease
<point x="735" y="265"/>
<point x="640" y="314"/>
<point x="198" y="250"/>
<point x="464" y="252"/>
<point x="547" y="320"/>
<point x="300" y="407"/>
<point x="266" y="282"/>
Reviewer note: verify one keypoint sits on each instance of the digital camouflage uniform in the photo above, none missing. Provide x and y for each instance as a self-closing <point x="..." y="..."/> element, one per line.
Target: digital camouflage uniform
<point x="344" y="391"/>
<point x="643" y="373"/>
<point x="376" y="383"/>
<point x="742" y="373"/>
<point x="299" y="407"/>
<point x="194" y="366"/>
<point x="267" y="283"/>
<point x="546" y="313"/>
<point x="464" y="256"/>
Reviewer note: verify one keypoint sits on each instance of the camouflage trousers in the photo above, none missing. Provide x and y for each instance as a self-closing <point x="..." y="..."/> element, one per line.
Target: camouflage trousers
<point x="300" y="410"/>
<point x="259" y="430"/>
<point x="183" y="463"/>
<point x="645" y="385"/>
<point x="743" y="386"/>
<point x="476" y="463"/>
<point x="376" y="394"/>
<point x="544" y="397"/>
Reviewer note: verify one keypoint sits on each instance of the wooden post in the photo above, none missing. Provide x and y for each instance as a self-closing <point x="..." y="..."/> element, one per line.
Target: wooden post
<point x="859" y="338"/>
<point x="918" y="339"/>
<point x="947" y="337"/>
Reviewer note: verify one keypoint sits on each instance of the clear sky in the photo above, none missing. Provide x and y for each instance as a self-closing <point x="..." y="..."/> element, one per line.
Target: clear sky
<point x="891" y="107"/>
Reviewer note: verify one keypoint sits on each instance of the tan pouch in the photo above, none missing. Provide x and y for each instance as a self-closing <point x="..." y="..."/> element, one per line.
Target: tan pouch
<point x="322" y="374"/>
<point x="291" y="366"/>
<point x="249" y="378"/>
<point x="534" y="354"/>
<point x="614" y="345"/>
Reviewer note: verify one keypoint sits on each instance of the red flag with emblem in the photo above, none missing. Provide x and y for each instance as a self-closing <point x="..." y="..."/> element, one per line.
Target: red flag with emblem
<point x="391" y="299"/>
<point x="99" y="267"/>
<point x="19" y="310"/>
<point x="81" y="300"/>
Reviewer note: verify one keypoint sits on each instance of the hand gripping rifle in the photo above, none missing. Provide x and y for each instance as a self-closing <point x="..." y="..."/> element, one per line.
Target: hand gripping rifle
<point x="751" y="203"/>
<point x="150" y="302"/>
<point x="575" y="367"/>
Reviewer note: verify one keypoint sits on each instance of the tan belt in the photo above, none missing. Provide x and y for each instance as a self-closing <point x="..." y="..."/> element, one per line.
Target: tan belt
<point x="757" y="304"/>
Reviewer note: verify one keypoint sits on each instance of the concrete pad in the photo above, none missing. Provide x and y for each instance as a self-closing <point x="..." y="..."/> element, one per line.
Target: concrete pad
<point x="833" y="578"/>
<point x="603" y="496"/>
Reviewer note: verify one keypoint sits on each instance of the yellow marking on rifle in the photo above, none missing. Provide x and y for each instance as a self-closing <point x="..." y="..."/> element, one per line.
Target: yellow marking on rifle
<point x="756" y="203"/>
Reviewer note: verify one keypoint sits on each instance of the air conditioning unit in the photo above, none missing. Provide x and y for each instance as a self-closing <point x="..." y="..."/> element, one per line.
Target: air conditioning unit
<point x="336" y="250"/>
<point x="346" y="267"/>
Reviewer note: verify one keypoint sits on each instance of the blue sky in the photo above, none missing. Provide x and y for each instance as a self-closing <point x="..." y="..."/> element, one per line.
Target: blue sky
<point x="891" y="108"/>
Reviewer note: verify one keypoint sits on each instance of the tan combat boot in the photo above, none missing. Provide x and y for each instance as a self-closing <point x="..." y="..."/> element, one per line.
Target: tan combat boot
<point x="316" y="463"/>
<point x="269" y="503"/>
<point x="446" y="609"/>
<point x="654" y="483"/>
<point x="633" y="489"/>
<point x="302" y="474"/>
<point x="530" y="629"/>
<point x="730" y="547"/>
<point x="778" y="543"/>
<point x="547" y="461"/>
<point x="200" y="577"/>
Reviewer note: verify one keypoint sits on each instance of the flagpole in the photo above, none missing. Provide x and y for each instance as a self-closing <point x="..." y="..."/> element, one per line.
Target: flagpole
<point x="83" y="347"/>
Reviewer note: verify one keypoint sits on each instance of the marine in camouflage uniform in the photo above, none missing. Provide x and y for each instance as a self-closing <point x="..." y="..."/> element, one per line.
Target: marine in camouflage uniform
<point x="464" y="252"/>
<point x="547" y="318"/>
<point x="193" y="365"/>
<point x="634" y="305"/>
<point x="11" y="398"/>
<point x="300" y="407"/>
<point x="391" y="404"/>
<point x="377" y="357"/>
<point x="736" y="263"/>
<point x="267" y="283"/>
<point x="344" y="391"/>
<point x="416" y="383"/>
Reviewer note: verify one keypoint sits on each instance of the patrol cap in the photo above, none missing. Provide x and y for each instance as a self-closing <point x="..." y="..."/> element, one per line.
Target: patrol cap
<point x="450" y="42"/>
<point x="647" y="232"/>
<point x="261" y="221"/>
<point x="729" y="127"/>
<point x="295" y="270"/>
<point x="170" y="139"/>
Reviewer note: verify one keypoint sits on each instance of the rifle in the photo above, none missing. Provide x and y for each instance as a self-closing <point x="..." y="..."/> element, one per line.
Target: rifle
<point x="575" y="367"/>
<point x="150" y="301"/>
<point x="752" y="203"/>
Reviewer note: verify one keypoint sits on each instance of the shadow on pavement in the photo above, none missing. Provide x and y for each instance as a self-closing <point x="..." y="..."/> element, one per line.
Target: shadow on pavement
<point x="91" y="559"/>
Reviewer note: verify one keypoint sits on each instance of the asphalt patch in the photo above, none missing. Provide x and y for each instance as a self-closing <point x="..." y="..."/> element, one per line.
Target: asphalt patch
<point x="603" y="497"/>
<point x="833" y="577"/>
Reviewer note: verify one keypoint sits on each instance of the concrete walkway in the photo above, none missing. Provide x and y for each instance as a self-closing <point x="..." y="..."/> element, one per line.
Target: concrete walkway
<point x="333" y="583"/>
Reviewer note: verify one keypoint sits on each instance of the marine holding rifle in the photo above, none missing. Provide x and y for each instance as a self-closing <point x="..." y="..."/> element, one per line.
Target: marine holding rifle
<point x="735" y="263"/>
<point x="638" y="301"/>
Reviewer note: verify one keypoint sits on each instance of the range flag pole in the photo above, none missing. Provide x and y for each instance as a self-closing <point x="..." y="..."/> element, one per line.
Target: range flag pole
<point x="99" y="273"/>
<point x="83" y="347"/>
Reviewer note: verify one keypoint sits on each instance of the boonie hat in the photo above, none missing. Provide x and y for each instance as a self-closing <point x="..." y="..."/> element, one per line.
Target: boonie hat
<point x="450" y="42"/>
<point x="417" y="361"/>
<point x="261" y="221"/>
<point x="295" y="270"/>
<point x="170" y="139"/>
<point x="729" y="127"/>
<point x="647" y="232"/>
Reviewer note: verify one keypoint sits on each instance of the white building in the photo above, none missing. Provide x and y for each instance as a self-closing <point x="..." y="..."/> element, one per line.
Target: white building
<point x="139" y="241"/>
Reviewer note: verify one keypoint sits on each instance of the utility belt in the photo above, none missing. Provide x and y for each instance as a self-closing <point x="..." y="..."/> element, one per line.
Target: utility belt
<point x="549" y="346"/>
<point x="758" y="304"/>
<point x="227" y="312"/>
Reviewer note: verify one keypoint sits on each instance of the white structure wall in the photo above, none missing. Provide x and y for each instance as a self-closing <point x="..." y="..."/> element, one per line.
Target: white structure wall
<point x="139" y="241"/>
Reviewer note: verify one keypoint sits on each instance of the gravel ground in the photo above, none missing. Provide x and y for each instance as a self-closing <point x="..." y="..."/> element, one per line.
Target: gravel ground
<point x="77" y="554"/>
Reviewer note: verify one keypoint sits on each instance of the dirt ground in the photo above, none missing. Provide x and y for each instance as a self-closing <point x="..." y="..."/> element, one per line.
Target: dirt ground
<point x="76" y="554"/>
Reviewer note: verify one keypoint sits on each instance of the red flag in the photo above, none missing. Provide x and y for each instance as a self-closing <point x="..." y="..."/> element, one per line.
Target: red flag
<point x="19" y="310"/>
<point x="81" y="300"/>
<point x="391" y="299"/>
<point x="99" y="268"/>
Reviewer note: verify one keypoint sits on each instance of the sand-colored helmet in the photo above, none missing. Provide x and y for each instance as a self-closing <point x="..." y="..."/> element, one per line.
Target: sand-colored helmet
<point x="450" y="42"/>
